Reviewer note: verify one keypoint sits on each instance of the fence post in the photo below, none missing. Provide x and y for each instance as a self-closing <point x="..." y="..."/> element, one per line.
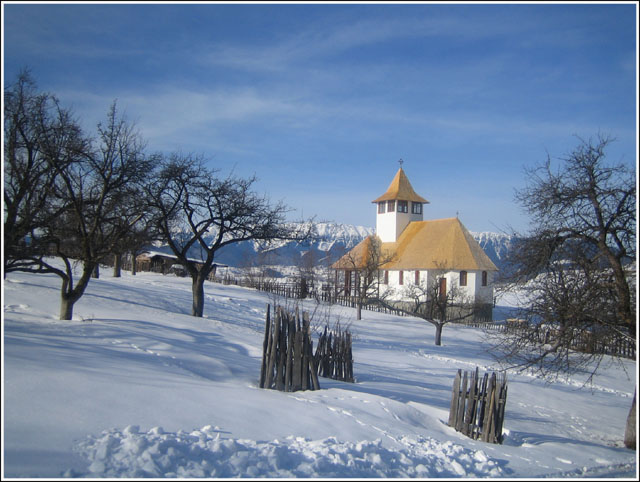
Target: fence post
<point x="282" y="352"/>
<point x="488" y="427"/>
<point x="291" y="333"/>
<point x="314" y="368"/>
<point x="461" y="404"/>
<point x="469" y="418"/>
<point x="273" y="341"/>
<point x="502" y="403"/>
<point x="265" y="346"/>
<point x="453" y="410"/>
<point x="305" y="347"/>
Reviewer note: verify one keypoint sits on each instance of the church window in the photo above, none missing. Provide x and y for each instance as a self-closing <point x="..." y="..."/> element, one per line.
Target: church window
<point x="484" y="278"/>
<point x="381" y="207"/>
<point x="403" y="206"/>
<point x="386" y="277"/>
<point x="417" y="277"/>
<point x="416" y="208"/>
<point x="442" y="290"/>
<point x="463" y="278"/>
<point x="391" y="206"/>
<point x="401" y="277"/>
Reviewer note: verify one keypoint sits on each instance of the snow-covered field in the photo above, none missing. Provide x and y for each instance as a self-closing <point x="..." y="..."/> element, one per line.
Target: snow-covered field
<point x="135" y="387"/>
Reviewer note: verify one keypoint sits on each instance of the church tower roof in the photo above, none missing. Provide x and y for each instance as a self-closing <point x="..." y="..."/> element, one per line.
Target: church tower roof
<point x="400" y="188"/>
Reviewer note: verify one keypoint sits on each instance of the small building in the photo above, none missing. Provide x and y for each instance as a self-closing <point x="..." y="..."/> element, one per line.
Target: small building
<point x="407" y="250"/>
<point x="165" y="263"/>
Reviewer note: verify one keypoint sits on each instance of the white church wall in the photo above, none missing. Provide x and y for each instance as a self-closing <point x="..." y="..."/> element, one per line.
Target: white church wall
<point x="386" y="227"/>
<point x="484" y="294"/>
<point x="472" y="292"/>
<point x="389" y="225"/>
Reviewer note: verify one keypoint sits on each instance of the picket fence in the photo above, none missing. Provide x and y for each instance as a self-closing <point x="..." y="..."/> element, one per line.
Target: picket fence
<point x="583" y="341"/>
<point x="287" y="353"/>
<point x="334" y="357"/>
<point x="478" y="406"/>
<point x="614" y="345"/>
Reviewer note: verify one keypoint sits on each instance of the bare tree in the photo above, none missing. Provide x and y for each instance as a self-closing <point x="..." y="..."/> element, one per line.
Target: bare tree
<point x="361" y="268"/>
<point x="87" y="209"/>
<point x="574" y="265"/>
<point x="139" y="235"/>
<point x="40" y="140"/>
<point x="200" y="213"/>
<point x="432" y="302"/>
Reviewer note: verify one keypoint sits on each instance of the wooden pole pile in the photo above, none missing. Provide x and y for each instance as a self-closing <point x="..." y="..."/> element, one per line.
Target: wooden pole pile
<point x="334" y="357"/>
<point x="287" y="353"/>
<point x="477" y="406"/>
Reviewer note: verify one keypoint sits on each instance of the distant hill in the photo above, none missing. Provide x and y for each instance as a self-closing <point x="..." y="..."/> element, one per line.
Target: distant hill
<point x="333" y="240"/>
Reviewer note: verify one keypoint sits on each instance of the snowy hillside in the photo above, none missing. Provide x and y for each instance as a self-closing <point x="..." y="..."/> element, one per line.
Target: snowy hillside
<point x="135" y="387"/>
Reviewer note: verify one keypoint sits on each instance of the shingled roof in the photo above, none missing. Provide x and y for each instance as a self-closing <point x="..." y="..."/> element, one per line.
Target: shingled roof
<point x="400" y="188"/>
<point x="438" y="244"/>
<point x="357" y="257"/>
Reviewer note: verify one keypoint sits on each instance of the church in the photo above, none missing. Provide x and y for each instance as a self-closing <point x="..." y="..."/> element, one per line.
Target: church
<point x="439" y="253"/>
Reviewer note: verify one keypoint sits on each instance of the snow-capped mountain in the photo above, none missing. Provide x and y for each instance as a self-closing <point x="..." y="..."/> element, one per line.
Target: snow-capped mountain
<point x="331" y="242"/>
<point x="495" y="245"/>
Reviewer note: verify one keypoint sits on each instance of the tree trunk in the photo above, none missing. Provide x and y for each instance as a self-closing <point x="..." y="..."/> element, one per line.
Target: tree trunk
<point x="70" y="294"/>
<point x="630" y="432"/>
<point x="66" y="303"/>
<point x="68" y="300"/>
<point x="359" y="311"/>
<point x="197" y="289"/>
<point x="117" y="265"/>
<point x="134" y="268"/>
<point x="96" y="271"/>
<point x="439" y="333"/>
<point x="66" y="307"/>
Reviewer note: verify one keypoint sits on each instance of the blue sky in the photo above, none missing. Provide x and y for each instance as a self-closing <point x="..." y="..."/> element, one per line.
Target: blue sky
<point x="319" y="101"/>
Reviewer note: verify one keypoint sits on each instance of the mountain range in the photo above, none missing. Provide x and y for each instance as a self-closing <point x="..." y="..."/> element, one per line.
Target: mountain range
<point x="332" y="241"/>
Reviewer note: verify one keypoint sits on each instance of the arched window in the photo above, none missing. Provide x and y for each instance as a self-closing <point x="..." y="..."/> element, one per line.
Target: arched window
<point x="401" y="277"/>
<point x="484" y="278"/>
<point x="417" y="277"/>
<point x="463" y="278"/>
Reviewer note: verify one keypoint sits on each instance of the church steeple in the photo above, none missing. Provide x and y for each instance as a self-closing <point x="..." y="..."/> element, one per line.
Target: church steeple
<point x="397" y="207"/>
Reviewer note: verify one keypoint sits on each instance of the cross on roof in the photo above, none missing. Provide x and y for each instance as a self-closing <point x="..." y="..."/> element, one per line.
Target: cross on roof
<point x="400" y="161"/>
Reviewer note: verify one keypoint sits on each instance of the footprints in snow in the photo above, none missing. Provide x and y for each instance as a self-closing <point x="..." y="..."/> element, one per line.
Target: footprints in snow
<point x="17" y="308"/>
<point x="144" y="350"/>
<point x="348" y="413"/>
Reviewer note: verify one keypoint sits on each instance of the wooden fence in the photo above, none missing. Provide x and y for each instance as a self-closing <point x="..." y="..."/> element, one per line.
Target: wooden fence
<point x="586" y="342"/>
<point x="286" y="290"/>
<point x="334" y="357"/>
<point x="287" y="353"/>
<point x="477" y="407"/>
<point x="583" y="341"/>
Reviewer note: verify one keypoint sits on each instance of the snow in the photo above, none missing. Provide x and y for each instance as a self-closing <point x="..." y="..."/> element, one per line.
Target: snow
<point x="134" y="386"/>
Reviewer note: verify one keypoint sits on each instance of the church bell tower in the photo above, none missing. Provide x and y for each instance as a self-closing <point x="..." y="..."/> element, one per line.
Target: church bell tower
<point x="397" y="207"/>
